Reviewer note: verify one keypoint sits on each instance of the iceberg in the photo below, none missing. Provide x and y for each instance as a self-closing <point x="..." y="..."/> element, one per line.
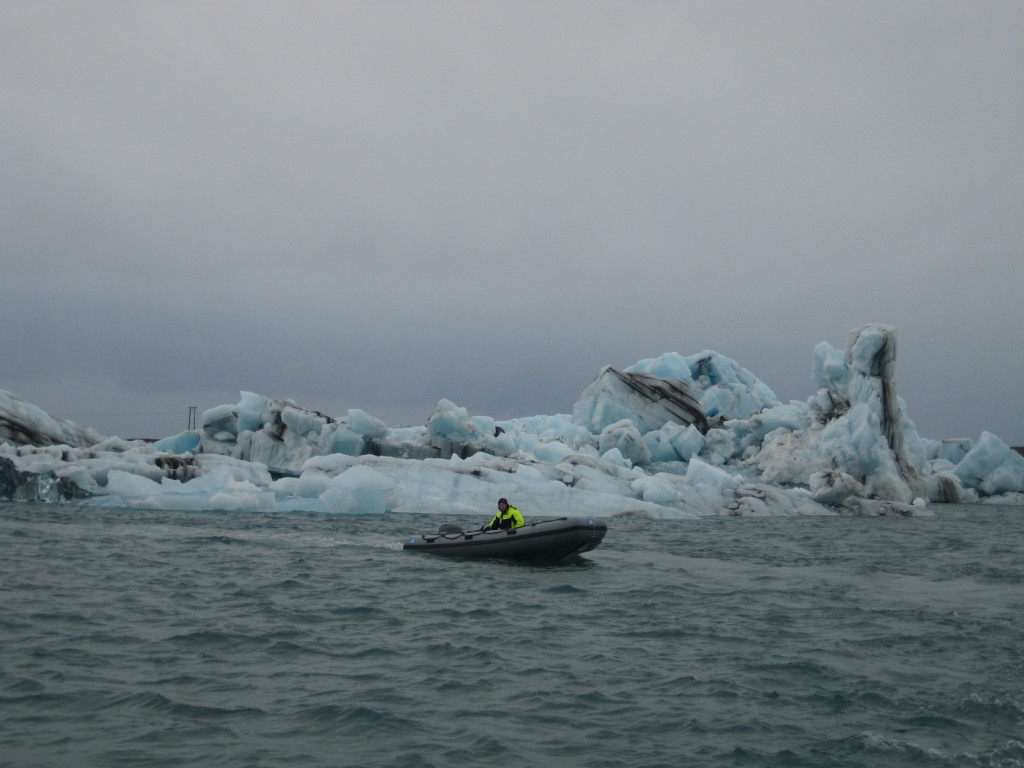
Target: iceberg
<point x="22" y="423"/>
<point x="672" y="437"/>
<point x="647" y="401"/>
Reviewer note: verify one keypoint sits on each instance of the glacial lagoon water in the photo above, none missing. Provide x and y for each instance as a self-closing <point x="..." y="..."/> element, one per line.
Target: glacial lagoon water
<point x="153" y="638"/>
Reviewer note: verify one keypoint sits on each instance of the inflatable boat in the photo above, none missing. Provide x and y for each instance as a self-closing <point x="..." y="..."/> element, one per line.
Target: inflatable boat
<point x="549" y="540"/>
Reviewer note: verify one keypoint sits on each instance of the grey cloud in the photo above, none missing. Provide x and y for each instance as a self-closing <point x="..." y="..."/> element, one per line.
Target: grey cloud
<point x="384" y="204"/>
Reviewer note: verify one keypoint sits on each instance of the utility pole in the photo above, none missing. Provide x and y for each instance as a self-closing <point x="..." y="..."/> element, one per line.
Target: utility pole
<point x="192" y="417"/>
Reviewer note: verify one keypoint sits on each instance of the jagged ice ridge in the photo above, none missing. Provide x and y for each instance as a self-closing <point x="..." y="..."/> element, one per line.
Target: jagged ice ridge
<point x="669" y="437"/>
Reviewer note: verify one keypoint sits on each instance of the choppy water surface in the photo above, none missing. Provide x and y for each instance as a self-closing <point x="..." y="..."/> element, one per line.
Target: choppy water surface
<point x="239" y="639"/>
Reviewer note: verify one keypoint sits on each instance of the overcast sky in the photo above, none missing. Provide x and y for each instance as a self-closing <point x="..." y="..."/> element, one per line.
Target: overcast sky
<point x="379" y="204"/>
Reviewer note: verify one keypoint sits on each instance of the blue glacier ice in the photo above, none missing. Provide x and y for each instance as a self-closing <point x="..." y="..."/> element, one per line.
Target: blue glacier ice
<point x="670" y="437"/>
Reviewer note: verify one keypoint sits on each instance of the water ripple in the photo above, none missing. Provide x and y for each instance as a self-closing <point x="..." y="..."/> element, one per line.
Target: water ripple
<point x="172" y="638"/>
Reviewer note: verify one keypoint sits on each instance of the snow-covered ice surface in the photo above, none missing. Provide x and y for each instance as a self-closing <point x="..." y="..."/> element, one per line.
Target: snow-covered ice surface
<point x="670" y="437"/>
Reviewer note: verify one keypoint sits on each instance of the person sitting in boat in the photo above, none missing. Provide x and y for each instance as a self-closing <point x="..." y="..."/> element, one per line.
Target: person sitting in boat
<point x="507" y="517"/>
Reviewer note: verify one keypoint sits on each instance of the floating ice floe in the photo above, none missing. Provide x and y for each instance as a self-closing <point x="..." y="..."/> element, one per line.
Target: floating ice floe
<point x="671" y="437"/>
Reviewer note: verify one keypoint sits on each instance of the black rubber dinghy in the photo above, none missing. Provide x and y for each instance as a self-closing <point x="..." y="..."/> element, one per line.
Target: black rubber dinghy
<point x="549" y="540"/>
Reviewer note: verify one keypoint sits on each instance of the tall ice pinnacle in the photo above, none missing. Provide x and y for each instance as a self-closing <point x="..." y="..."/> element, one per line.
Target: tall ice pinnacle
<point x="871" y="351"/>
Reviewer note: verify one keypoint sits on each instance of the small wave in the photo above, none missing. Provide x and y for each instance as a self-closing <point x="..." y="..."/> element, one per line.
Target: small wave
<point x="364" y="654"/>
<point x="358" y="719"/>
<point x="73" y="655"/>
<point x="357" y="612"/>
<point x="221" y="539"/>
<point x="220" y="641"/>
<point x="882" y="749"/>
<point x="288" y="584"/>
<point x="668" y="633"/>
<point x="70" y="618"/>
<point x="802" y="670"/>
<point x="26" y="686"/>
<point x="565" y="589"/>
<point x="287" y="649"/>
<point x="1002" y="711"/>
<point x="464" y="654"/>
<point x="158" y="703"/>
<point x="1008" y="755"/>
<point x="35" y="701"/>
<point x="164" y="736"/>
<point x="10" y="625"/>
<point x="937" y="723"/>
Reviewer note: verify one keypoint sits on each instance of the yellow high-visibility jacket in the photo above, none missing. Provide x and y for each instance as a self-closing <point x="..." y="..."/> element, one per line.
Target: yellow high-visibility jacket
<point x="510" y="518"/>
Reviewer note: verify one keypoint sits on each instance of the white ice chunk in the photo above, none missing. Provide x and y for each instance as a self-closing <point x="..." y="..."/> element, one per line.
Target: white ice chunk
<point x="625" y="437"/>
<point x="992" y="467"/>
<point x="648" y="401"/>
<point x="184" y="442"/>
<point x="687" y="443"/>
<point x="700" y="473"/>
<point x="23" y="423"/>
<point x="338" y="438"/>
<point x="358" y="491"/>
<point x="830" y="487"/>
<point x="215" y="490"/>
<point x="657" y="489"/>
<point x="872" y="350"/>
<point x="366" y="425"/>
<point x="724" y="388"/>
<point x="659" y="445"/>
